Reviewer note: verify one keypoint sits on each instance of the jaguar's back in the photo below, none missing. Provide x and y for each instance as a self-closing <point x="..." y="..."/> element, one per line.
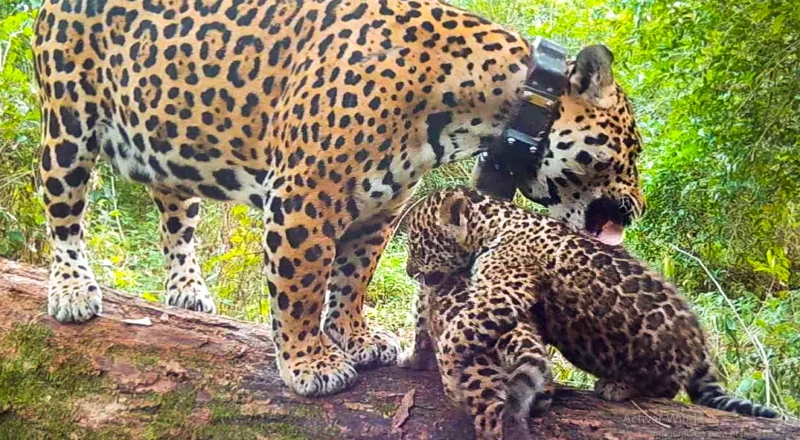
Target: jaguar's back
<point x="324" y="114"/>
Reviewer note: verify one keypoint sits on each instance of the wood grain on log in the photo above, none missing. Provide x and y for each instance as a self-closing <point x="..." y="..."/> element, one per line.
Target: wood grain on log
<point x="191" y="375"/>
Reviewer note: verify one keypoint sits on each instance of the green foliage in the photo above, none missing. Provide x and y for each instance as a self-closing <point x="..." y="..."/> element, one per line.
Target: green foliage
<point x="21" y="209"/>
<point x="391" y="293"/>
<point x="234" y="267"/>
<point x="722" y="166"/>
<point x="716" y="88"/>
<point x="776" y="265"/>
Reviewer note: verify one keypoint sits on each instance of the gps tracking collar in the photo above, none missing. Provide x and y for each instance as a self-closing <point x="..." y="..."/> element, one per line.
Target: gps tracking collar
<point x="521" y="149"/>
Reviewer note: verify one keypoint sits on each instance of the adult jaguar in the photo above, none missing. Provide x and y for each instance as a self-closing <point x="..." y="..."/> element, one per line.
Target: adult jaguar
<point x="324" y="114"/>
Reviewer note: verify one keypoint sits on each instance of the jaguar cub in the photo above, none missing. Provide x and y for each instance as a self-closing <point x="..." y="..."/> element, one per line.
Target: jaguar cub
<point x="504" y="373"/>
<point x="499" y="282"/>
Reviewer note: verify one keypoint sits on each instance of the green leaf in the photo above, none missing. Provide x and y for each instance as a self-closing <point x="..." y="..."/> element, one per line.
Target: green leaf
<point x="16" y="236"/>
<point x="239" y="210"/>
<point x="149" y="296"/>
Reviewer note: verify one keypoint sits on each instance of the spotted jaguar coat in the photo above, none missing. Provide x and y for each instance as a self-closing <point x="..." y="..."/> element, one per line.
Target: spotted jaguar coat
<point x="499" y="282"/>
<point x="323" y="114"/>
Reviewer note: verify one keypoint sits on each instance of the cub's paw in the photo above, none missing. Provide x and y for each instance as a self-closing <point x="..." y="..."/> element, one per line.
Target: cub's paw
<point x="192" y="297"/>
<point x="418" y="360"/>
<point x="543" y="399"/>
<point x="514" y="428"/>
<point x="614" y="391"/>
<point x="73" y="296"/>
<point x="322" y="374"/>
<point x="374" y="347"/>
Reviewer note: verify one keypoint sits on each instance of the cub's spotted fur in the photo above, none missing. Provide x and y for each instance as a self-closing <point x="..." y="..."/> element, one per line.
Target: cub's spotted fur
<point x="322" y="113"/>
<point x="498" y="370"/>
<point x="492" y="272"/>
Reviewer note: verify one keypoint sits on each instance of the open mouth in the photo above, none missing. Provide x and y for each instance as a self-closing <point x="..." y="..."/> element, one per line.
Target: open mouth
<point x="606" y="221"/>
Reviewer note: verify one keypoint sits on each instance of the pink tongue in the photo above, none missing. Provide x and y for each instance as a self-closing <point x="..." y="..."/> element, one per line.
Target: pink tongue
<point x="612" y="233"/>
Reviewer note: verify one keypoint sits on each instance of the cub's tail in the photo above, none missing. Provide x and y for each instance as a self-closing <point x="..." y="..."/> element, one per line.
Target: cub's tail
<point x="704" y="389"/>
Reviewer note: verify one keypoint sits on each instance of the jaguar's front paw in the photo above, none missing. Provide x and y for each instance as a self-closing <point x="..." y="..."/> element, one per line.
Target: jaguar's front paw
<point x="191" y="295"/>
<point x="372" y="347"/>
<point x="326" y="372"/>
<point x="73" y="294"/>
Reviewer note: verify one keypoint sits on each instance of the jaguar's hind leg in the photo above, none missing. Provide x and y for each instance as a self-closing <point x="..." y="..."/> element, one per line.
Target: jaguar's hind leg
<point x="482" y="388"/>
<point x="299" y="257"/>
<point x="69" y="151"/>
<point x="523" y="355"/>
<point x="179" y="219"/>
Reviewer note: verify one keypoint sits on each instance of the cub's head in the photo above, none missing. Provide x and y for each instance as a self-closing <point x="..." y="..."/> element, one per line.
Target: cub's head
<point x="588" y="176"/>
<point x="439" y="239"/>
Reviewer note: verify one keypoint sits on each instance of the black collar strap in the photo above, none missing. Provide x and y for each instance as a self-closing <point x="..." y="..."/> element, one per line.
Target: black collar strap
<point x="520" y="152"/>
<point x="543" y="89"/>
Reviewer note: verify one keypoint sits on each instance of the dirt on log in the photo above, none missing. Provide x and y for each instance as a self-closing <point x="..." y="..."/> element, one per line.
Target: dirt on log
<point x="190" y="375"/>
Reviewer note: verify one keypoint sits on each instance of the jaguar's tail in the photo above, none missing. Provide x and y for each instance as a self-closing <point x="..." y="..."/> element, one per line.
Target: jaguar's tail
<point x="704" y="389"/>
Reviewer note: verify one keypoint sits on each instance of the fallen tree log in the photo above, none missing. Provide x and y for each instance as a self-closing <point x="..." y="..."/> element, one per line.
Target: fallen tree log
<point x="190" y="375"/>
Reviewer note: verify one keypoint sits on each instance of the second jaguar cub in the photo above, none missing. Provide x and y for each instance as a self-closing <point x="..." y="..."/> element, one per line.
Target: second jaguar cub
<point x="499" y="282"/>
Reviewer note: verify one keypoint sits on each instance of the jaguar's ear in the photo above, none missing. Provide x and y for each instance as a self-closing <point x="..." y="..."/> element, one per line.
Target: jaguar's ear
<point x="592" y="77"/>
<point x="453" y="216"/>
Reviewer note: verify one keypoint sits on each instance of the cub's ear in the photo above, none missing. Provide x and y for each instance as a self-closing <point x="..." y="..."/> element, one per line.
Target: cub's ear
<point x="453" y="216"/>
<point x="592" y="78"/>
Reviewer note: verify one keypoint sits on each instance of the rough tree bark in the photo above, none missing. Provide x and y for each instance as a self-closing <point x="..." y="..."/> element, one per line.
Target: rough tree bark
<point x="190" y="375"/>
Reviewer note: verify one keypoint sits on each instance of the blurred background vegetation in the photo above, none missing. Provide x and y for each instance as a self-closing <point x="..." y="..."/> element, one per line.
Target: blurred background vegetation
<point x="716" y="87"/>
